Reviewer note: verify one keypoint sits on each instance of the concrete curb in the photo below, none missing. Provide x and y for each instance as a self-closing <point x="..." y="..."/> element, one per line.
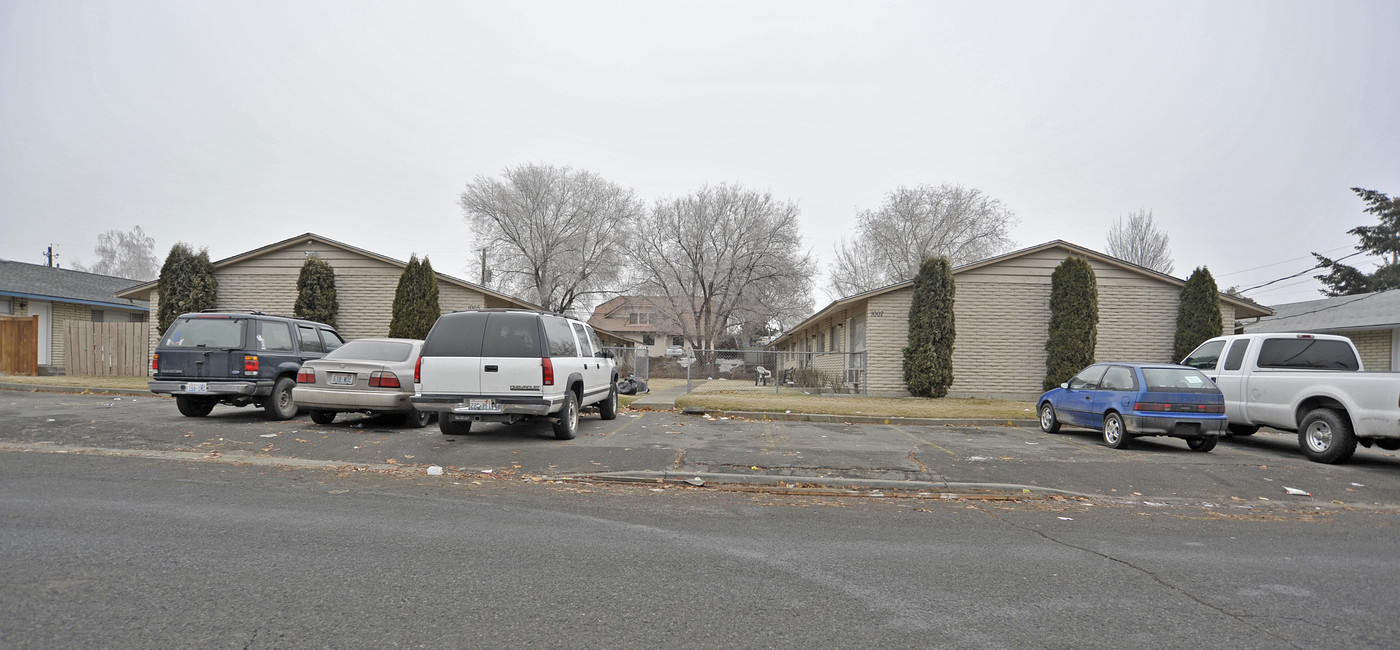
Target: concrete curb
<point x="861" y="419"/>
<point x="46" y="388"/>
<point x="943" y="489"/>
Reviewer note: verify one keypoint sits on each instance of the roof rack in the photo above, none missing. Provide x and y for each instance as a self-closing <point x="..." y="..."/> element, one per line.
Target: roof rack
<point x="232" y="311"/>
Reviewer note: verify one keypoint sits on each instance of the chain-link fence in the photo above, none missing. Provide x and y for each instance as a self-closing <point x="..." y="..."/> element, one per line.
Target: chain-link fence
<point x="821" y="372"/>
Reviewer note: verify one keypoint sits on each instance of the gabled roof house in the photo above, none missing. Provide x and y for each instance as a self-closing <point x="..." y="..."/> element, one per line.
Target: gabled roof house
<point x="59" y="295"/>
<point x="1370" y="320"/>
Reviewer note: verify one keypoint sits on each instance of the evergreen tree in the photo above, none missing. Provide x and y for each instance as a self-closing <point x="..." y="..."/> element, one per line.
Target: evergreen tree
<point x="928" y="360"/>
<point x="186" y="284"/>
<point x="1381" y="240"/>
<point x="1198" y="315"/>
<point x="415" y="301"/>
<point x="316" y="292"/>
<point x="1074" y="321"/>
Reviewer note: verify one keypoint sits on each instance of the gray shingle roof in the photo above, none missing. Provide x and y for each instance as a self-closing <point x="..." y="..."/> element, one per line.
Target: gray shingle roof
<point x="1379" y="310"/>
<point x="39" y="282"/>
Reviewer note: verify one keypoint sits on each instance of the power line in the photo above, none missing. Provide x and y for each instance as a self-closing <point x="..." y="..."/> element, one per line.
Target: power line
<point x="1290" y="277"/>
<point x="1225" y="275"/>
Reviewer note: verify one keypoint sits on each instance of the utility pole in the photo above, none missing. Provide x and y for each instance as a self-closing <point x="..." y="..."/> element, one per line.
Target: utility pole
<point x="50" y="255"/>
<point x="485" y="275"/>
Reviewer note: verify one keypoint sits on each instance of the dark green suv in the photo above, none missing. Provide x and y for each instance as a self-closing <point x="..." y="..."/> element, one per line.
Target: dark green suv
<point x="238" y="359"/>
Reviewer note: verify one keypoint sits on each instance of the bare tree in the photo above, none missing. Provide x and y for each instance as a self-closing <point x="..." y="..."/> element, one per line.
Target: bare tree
<point x="552" y="234"/>
<point x="721" y="258"/>
<point x="130" y="255"/>
<point x="1138" y="240"/>
<point x="913" y="224"/>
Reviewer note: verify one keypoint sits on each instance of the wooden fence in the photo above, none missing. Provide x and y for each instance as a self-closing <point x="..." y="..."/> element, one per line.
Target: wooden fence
<point x="19" y="345"/>
<point x="105" y="348"/>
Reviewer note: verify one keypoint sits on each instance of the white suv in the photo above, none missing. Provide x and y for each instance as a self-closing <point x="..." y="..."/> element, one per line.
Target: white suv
<point x="511" y="365"/>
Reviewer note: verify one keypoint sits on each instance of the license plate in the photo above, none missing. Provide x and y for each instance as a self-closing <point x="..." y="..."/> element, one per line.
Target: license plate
<point x="197" y="387"/>
<point x="482" y="405"/>
<point x="342" y="379"/>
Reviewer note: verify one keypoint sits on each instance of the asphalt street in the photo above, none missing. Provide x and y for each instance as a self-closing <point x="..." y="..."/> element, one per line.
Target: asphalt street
<point x="650" y="446"/>
<point x="130" y="551"/>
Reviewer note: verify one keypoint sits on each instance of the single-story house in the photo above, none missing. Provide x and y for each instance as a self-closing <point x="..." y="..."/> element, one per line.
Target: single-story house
<point x="1002" y="316"/>
<point x="265" y="279"/>
<point x="1370" y="320"/>
<point x="58" y="295"/>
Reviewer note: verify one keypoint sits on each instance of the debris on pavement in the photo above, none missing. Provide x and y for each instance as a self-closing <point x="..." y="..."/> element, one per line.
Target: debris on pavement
<point x="697" y="481"/>
<point x="434" y="470"/>
<point x="1066" y="518"/>
<point x="1297" y="492"/>
<point x="270" y="435"/>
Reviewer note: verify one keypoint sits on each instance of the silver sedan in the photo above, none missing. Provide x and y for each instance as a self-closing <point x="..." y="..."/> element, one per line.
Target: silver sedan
<point x="372" y="375"/>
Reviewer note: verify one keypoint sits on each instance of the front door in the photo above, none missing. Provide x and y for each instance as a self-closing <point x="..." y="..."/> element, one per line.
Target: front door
<point x="44" y="311"/>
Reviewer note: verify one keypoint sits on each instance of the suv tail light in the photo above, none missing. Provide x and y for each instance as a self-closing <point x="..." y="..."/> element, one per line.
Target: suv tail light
<point x="383" y="379"/>
<point x="250" y="363"/>
<point x="155" y="362"/>
<point x="306" y="376"/>
<point x="418" y="371"/>
<point x="548" y="365"/>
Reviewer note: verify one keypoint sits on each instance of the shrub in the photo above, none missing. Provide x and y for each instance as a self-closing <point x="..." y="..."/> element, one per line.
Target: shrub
<point x="1198" y="315"/>
<point x="186" y="284"/>
<point x="928" y="360"/>
<point x="316" y="292"/>
<point x="415" y="301"/>
<point x="1074" y="321"/>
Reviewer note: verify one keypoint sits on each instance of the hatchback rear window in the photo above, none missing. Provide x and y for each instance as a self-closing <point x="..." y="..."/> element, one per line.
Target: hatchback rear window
<point x="205" y="333"/>
<point x="1307" y="353"/>
<point x="392" y="351"/>
<point x="1177" y="380"/>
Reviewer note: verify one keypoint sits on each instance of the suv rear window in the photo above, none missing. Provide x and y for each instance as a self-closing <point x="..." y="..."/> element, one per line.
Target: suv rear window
<point x="1307" y="353"/>
<point x="478" y="334"/>
<point x="205" y="332"/>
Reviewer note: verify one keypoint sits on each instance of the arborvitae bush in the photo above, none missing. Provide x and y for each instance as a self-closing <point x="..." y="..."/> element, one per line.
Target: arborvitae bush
<point x="928" y="360"/>
<point x="1198" y="315"/>
<point x="416" y="301"/>
<point x="186" y="284"/>
<point x="316" y="292"/>
<point x="1074" y="321"/>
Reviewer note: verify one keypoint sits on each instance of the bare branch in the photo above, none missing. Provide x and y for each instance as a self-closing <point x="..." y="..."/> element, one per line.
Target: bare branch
<point x="1140" y="242"/>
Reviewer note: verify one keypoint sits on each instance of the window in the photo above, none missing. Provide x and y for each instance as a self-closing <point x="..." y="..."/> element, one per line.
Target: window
<point x="97" y="316"/>
<point x="392" y="351"/>
<point x="332" y="340"/>
<point x="593" y="338"/>
<point x="511" y="335"/>
<point x="561" y="338"/>
<point x="309" y="341"/>
<point x="858" y="334"/>
<point x="135" y="318"/>
<point x="6" y="309"/>
<point x="821" y="342"/>
<point x="648" y="339"/>
<point x="1206" y="356"/>
<point x="677" y="340"/>
<point x="1119" y="378"/>
<point x="1088" y="378"/>
<point x="1177" y="380"/>
<point x="1307" y="353"/>
<point x="460" y="335"/>
<point x="199" y="332"/>
<point x="1235" y="357"/>
<point x="585" y="346"/>
<point x="640" y="318"/>
<point x="274" y="336"/>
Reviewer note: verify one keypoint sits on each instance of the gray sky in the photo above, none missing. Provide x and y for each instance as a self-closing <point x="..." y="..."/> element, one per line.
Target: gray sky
<point x="231" y="125"/>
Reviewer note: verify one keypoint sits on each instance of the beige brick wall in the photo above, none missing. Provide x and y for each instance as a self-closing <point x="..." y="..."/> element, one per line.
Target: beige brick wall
<point x="1374" y="347"/>
<point x="886" y="334"/>
<point x="62" y="313"/>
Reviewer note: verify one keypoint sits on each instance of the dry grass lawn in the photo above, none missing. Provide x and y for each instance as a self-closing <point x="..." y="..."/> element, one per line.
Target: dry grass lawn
<point x="716" y="396"/>
<point x="79" y="381"/>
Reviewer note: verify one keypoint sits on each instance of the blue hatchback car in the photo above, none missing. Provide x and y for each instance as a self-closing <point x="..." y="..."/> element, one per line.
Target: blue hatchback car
<point x="1138" y="399"/>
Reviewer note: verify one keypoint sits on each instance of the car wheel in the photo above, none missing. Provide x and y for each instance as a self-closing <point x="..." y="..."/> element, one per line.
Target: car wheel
<point x="1326" y="437"/>
<point x="1114" y="433"/>
<point x="566" y="427"/>
<point x="416" y="419"/>
<point x="279" y="404"/>
<point x="1243" y="429"/>
<point x="1048" y="422"/>
<point x="322" y="417"/>
<point x="194" y="407"/>
<point x="448" y="427"/>
<point x="1201" y="444"/>
<point x="608" y="407"/>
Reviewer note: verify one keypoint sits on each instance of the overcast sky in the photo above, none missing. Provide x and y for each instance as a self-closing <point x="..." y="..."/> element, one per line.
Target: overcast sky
<point x="232" y="125"/>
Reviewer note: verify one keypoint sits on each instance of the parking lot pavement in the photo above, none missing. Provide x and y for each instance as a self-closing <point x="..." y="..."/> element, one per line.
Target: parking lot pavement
<point x="651" y="445"/>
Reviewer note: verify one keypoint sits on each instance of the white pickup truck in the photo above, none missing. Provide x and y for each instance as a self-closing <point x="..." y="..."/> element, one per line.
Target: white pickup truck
<point x="1309" y="383"/>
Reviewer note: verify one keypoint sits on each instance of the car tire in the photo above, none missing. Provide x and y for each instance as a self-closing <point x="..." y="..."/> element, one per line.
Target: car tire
<point x="608" y="407"/>
<point x="1115" y="435"/>
<point x="1048" y="422"/>
<point x="450" y="428"/>
<point x="280" y="405"/>
<point x="416" y="419"/>
<point x="1243" y="429"/>
<point x="194" y="407"/>
<point x="1203" y="444"/>
<point x="1326" y="437"/>
<point x="322" y="417"/>
<point x="566" y="427"/>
